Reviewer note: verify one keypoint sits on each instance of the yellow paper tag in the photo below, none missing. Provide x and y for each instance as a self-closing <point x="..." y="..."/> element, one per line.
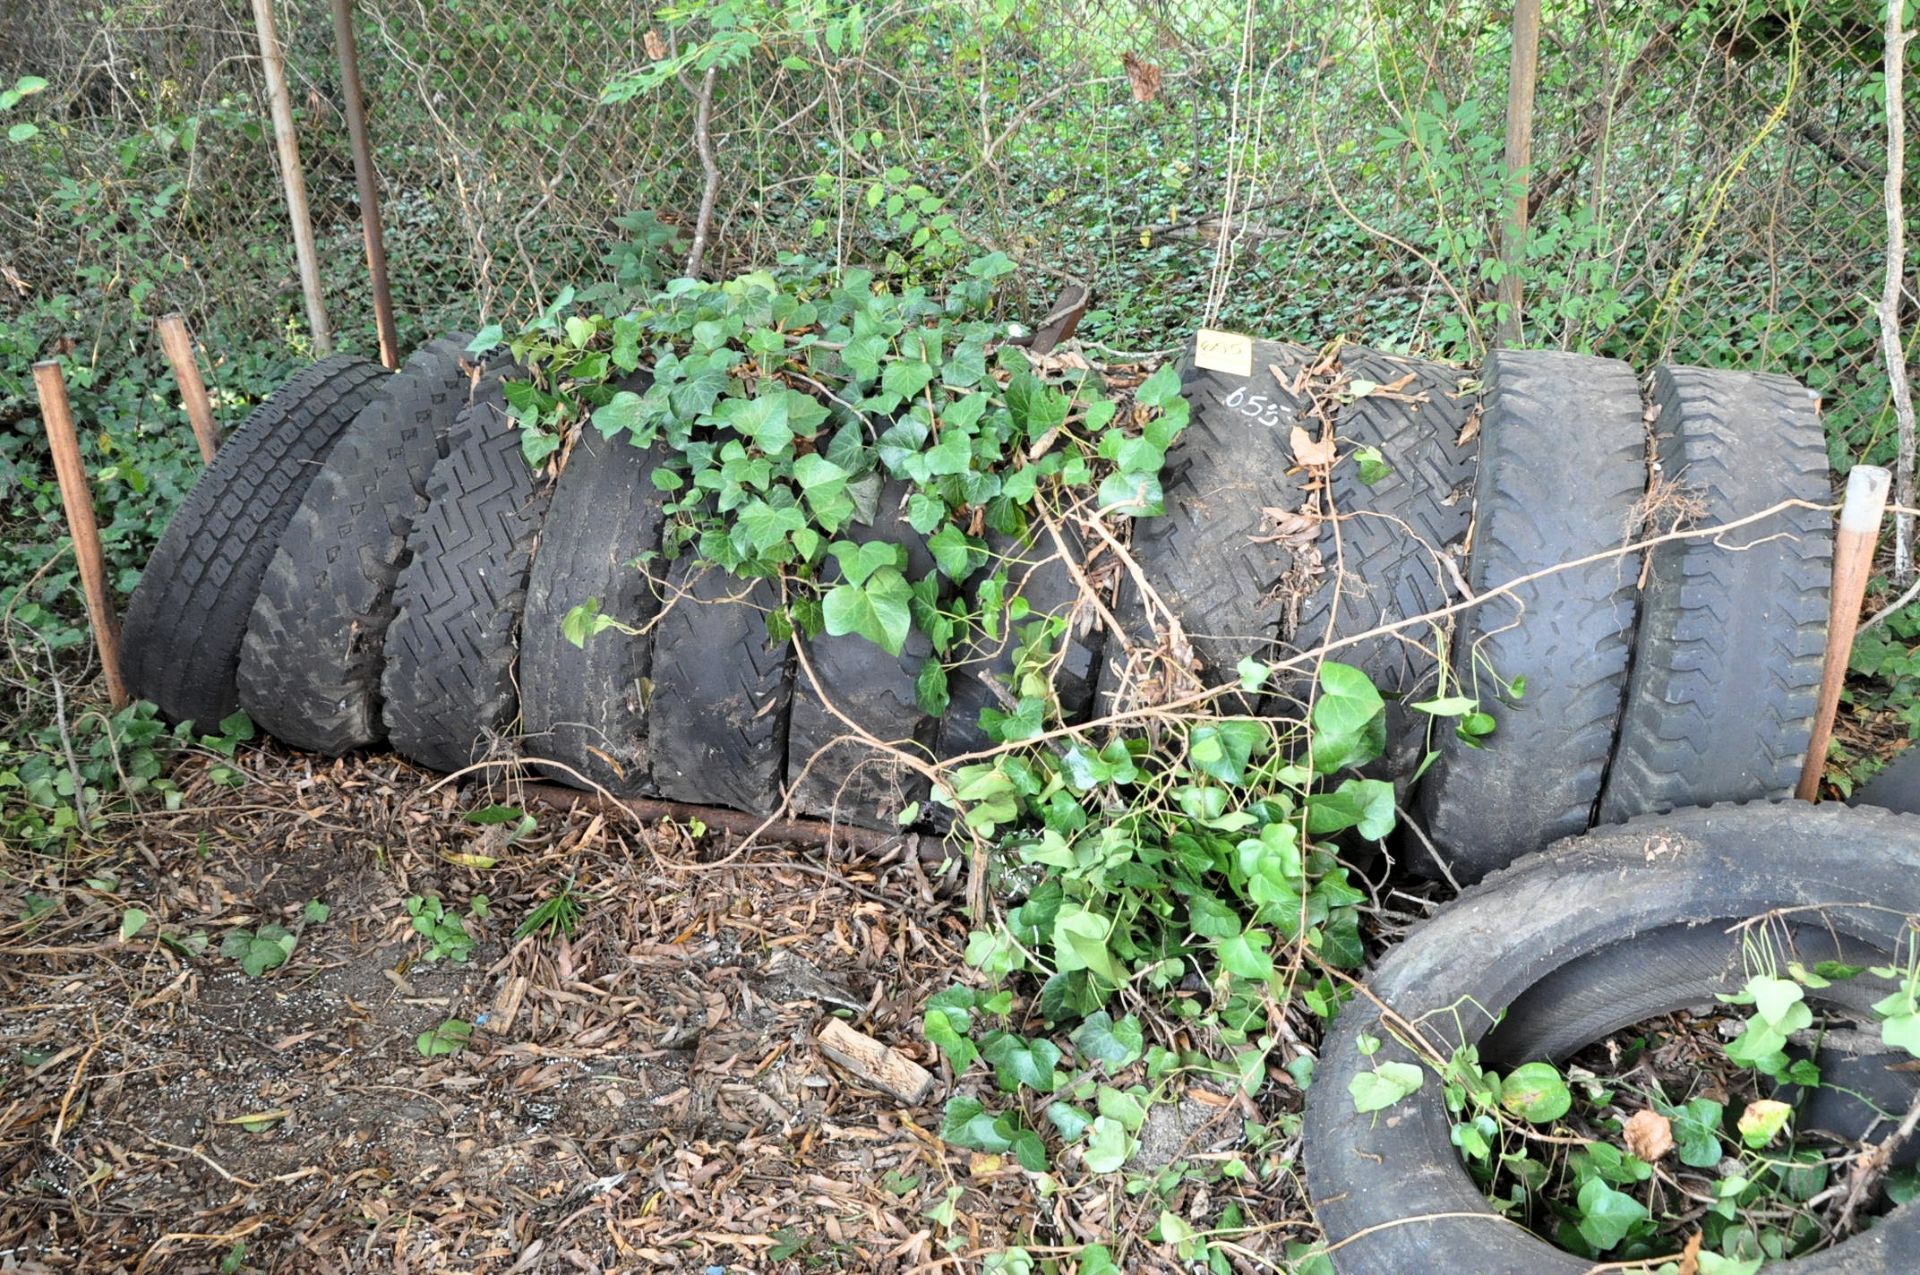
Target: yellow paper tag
<point x="1223" y="352"/>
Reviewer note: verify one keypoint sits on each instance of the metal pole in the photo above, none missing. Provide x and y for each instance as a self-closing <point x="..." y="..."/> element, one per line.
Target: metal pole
<point x="367" y="180"/>
<point x="193" y="391"/>
<point x="273" y="65"/>
<point x="1853" y="547"/>
<point x="1521" y="73"/>
<point x="77" y="497"/>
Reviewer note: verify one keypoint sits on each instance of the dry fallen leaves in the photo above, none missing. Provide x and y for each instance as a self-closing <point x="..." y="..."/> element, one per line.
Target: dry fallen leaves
<point x="1315" y="453"/>
<point x="1649" y="1135"/>
<point x="1143" y="76"/>
<point x="656" y="47"/>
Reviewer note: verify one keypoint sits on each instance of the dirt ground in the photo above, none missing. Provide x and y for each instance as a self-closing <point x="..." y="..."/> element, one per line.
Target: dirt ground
<point x="646" y="1096"/>
<point x="653" y="1101"/>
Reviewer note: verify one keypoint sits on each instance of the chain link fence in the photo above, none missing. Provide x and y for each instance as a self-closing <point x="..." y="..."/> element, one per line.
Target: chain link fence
<point x="1706" y="178"/>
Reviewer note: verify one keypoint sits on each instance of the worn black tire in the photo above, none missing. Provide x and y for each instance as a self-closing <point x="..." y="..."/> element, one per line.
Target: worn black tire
<point x="1563" y="463"/>
<point x="1392" y="536"/>
<point x="1896" y="787"/>
<point x="586" y="707"/>
<point x="1206" y="555"/>
<point x="722" y="691"/>
<point x="1389" y="1189"/>
<point x="1036" y="573"/>
<point x="310" y="666"/>
<point x="180" y="646"/>
<point x="1726" y="662"/>
<point x="448" y="687"/>
<point x="848" y="782"/>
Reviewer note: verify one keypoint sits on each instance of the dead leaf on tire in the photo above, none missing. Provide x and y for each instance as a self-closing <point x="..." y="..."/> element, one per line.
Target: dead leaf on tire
<point x="1143" y="76"/>
<point x="1649" y="1135"/>
<point x="1314" y="453"/>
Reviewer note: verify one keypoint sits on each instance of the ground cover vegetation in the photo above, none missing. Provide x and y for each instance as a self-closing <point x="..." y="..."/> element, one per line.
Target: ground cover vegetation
<point x="874" y="199"/>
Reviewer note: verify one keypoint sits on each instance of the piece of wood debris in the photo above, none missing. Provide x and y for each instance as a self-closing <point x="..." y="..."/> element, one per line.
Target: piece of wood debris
<point x="885" y="1069"/>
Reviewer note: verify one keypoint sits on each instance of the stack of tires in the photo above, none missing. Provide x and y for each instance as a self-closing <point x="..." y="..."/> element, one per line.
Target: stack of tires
<point x="369" y="558"/>
<point x="1622" y="682"/>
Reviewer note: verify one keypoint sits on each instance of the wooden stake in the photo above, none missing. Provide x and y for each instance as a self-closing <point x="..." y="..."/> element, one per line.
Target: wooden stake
<point x="368" y="182"/>
<point x="1521" y="75"/>
<point x="1853" y="548"/>
<point x="193" y="391"/>
<point x="77" y="496"/>
<point x="273" y="65"/>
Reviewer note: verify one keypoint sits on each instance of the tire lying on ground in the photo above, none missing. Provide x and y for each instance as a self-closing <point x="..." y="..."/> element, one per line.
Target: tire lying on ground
<point x="849" y="781"/>
<point x="586" y="706"/>
<point x="1208" y="555"/>
<point x="1726" y="662"/>
<point x="723" y="691"/>
<point x="1037" y="574"/>
<point x="188" y="617"/>
<point x="310" y="667"/>
<point x="1648" y="908"/>
<point x="448" y="687"/>
<point x="1393" y="532"/>
<point x="1562" y="466"/>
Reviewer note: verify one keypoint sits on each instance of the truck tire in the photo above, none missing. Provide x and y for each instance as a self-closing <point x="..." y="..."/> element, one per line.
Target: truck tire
<point x="1035" y="573"/>
<point x="850" y="783"/>
<point x="722" y="691"/>
<point x="1726" y="662"/>
<point x="1207" y="555"/>
<point x="586" y="706"/>
<point x="1389" y="1188"/>
<point x="1392" y="533"/>
<point x="1563" y="462"/>
<point x="310" y="666"/>
<point x="448" y="684"/>
<point x="188" y="617"/>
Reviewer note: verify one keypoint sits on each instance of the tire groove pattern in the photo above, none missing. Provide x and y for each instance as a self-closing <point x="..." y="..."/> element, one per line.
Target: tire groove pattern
<point x="1562" y="466"/>
<point x="1390" y="532"/>
<point x="188" y="617"/>
<point x="450" y="651"/>
<point x="310" y="667"/>
<point x="1727" y="660"/>
<point x="587" y="706"/>
<point x="717" y="726"/>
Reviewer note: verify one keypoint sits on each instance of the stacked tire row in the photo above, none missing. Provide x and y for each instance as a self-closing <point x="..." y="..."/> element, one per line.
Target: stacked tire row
<point x="1621" y="684"/>
<point x="370" y="558"/>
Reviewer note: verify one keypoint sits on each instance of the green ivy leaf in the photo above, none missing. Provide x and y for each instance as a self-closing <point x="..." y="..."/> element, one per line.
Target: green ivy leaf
<point x="1382" y="1088"/>
<point x="1535" y="1092"/>
<point x="930" y="689"/>
<point x="876" y="610"/>
<point x="1108" y="1146"/>
<point x="1115" y="1044"/>
<point x="957" y="554"/>
<point x="1607" y="1216"/>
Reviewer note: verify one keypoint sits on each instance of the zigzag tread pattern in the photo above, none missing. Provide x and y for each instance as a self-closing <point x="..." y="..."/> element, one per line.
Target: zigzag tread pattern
<point x="448" y="681"/>
<point x="717" y="727"/>
<point x="1203" y="553"/>
<point x="1727" y="663"/>
<point x="310" y="665"/>
<point x="188" y="617"/>
<point x="1389" y="533"/>
<point x="587" y="706"/>
<point x="1562" y="466"/>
